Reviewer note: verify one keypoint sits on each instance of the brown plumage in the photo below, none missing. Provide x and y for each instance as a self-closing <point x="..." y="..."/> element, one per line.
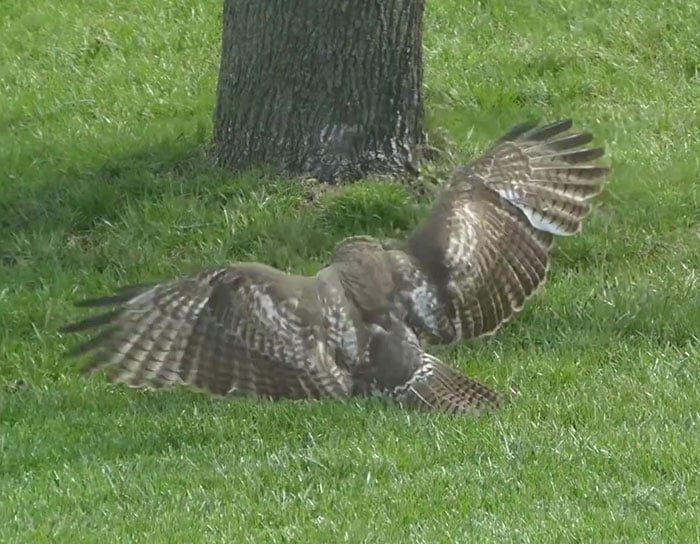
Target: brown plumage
<point x="485" y="247"/>
<point x="354" y="328"/>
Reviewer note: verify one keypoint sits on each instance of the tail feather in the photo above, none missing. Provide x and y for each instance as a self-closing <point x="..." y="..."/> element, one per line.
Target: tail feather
<point x="438" y="387"/>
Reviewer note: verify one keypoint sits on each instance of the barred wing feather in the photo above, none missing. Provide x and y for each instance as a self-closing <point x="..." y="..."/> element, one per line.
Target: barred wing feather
<point x="485" y="246"/>
<point x="244" y="329"/>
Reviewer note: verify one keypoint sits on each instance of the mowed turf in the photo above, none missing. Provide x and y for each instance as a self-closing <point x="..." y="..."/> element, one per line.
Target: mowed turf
<point x="106" y="115"/>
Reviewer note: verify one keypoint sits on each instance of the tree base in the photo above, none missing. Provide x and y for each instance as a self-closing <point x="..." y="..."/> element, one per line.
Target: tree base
<point x="331" y="90"/>
<point x="344" y="154"/>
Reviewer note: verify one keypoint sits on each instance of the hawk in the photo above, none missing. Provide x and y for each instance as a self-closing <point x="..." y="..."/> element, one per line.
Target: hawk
<point x="363" y="323"/>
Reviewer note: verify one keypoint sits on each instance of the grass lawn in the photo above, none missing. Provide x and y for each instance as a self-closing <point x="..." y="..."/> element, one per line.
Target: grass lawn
<point x="106" y="108"/>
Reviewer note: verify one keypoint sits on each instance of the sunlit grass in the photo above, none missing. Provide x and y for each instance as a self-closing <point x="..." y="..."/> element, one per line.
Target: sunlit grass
<point x="104" y="180"/>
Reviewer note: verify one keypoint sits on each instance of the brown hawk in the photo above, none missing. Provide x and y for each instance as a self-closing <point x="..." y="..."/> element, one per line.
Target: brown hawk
<point x="358" y="326"/>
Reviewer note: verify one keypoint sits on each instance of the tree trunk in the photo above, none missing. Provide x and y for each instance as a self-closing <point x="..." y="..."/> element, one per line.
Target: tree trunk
<point x="326" y="88"/>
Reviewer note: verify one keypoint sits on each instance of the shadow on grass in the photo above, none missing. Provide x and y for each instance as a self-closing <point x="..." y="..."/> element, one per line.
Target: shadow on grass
<point x="77" y="197"/>
<point x="61" y="194"/>
<point x="89" y="190"/>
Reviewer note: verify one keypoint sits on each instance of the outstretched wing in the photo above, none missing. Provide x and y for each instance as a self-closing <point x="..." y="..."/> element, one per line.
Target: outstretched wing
<point x="485" y="248"/>
<point x="244" y="329"/>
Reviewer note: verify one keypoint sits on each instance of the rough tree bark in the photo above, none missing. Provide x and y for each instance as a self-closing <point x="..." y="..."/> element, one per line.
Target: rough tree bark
<point x="326" y="88"/>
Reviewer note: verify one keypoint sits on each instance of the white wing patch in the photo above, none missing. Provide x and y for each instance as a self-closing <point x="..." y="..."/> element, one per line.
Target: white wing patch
<point x="418" y="297"/>
<point x="536" y="218"/>
<point x="282" y="334"/>
<point x="339" y="327"/>
<point x="424" y="301"/>
<point x="462" y="236"/>
<point x="540" y="222"/>
<point x="271" y="313"/>
<point x="341" y="332"/>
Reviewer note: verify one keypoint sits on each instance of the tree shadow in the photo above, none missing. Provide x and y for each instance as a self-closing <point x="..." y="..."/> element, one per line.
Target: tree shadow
<point x="68" y="196"/>
<point x="82" y="194"/>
